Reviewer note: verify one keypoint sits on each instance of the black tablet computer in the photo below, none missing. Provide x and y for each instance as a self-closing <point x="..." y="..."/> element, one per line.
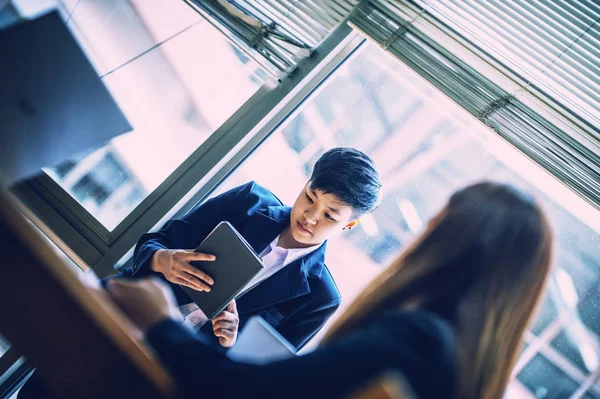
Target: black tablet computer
<point x="235" y="266"/>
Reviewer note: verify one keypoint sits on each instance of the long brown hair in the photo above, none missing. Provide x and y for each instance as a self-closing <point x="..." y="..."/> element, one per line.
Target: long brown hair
<point x="481" y="264"/>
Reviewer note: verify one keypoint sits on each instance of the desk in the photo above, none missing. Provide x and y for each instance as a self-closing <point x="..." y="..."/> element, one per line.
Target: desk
<point x="79" y="341"/>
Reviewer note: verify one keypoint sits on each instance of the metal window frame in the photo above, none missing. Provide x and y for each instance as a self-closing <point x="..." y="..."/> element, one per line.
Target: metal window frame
<point x="89" y="244"/>
<point x="90" y="227"/>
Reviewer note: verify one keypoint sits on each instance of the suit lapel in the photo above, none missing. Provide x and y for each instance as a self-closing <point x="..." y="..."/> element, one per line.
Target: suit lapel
<point x="261" y="228"/>
<point x="288" y="283"/>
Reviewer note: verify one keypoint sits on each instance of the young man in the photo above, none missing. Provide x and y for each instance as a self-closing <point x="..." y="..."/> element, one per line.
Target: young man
<point x="295" y="292"/>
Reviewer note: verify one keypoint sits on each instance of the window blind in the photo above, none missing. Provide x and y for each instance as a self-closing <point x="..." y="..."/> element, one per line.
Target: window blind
<point x="552" y="46"/>
<point x="398" y="27"/>
<point x="276" y="33"/>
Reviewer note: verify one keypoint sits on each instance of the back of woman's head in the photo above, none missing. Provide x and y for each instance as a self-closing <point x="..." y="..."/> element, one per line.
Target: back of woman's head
<point x="481" y="264"/>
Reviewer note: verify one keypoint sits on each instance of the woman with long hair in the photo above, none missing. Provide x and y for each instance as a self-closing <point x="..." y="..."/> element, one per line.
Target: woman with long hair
<point x="449" y="313"/>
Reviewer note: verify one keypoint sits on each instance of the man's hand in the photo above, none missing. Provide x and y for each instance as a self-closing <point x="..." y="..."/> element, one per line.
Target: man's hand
<point x="225" y="325"/>
<point x="174" y="264"/>
<point x="147" y="302"/>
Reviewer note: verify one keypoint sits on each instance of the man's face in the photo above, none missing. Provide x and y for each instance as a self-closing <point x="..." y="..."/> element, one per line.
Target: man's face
<point x="316" y="216"/>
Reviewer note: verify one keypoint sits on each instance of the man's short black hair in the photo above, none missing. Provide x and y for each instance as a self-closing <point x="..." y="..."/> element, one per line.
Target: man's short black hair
<point x="351" y="176"/>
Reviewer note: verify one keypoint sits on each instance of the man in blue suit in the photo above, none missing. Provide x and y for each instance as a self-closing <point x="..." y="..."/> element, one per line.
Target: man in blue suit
<point x="295" y="292"/>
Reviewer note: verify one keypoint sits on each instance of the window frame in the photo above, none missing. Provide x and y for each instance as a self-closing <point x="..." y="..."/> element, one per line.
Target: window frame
<point x="91" y="245"/>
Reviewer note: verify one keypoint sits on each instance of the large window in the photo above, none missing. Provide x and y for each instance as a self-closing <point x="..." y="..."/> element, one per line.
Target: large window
<point x="192" y="99"/>
<point x="425" y="148"/>
<point x="175" y="78"/>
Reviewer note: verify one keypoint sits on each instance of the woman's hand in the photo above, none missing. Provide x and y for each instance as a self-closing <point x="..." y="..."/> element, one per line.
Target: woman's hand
<point x="146" y="302"/>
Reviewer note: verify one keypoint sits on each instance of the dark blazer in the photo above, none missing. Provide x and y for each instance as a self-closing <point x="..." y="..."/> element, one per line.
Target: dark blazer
<point x="418" y="344"/>
<point x="297" y="300"/>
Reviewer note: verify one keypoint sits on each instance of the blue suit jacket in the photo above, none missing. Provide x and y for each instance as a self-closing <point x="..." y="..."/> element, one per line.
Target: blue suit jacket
<point x="296" y="300"/>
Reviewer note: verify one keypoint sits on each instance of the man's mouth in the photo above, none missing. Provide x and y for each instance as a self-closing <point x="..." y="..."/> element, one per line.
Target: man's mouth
<point x="303" y="229"/>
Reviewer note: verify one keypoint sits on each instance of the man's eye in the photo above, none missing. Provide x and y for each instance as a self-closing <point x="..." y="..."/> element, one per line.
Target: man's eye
<point x="309" y="199"/>
<point x="328" y="216"/>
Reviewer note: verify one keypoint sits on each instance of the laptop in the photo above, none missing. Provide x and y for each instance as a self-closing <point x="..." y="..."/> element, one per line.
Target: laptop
<point x="260" y="343"/>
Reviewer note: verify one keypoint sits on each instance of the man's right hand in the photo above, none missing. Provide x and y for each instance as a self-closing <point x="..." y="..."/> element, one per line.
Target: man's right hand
<point x="174" y="264"/>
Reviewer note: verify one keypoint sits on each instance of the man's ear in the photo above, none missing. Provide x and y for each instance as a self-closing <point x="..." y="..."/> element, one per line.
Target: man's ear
<point x="352" y="224"/>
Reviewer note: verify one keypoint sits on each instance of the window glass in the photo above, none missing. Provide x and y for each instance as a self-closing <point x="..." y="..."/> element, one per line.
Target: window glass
<point x="176" y="79"/>
<point x="546" y="381"/>
<point x="546" y="314"/>
<point x="426" y="148"/>
<point x="566" y="346"/>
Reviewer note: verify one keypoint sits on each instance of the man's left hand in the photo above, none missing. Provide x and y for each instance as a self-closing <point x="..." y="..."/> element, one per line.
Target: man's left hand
<point x="225" y="325"/>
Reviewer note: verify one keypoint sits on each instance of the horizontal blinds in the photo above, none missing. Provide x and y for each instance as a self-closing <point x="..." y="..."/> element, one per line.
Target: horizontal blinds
<point x="392" y="26"/>
<point x="276" y="33"/>
<point x="552" y="45"/>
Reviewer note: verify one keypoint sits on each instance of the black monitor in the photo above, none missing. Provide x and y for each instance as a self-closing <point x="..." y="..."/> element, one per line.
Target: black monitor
<point x="53" y="105"/>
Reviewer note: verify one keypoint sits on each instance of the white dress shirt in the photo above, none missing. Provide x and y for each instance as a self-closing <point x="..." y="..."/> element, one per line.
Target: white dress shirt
<point x="274" y="259"/>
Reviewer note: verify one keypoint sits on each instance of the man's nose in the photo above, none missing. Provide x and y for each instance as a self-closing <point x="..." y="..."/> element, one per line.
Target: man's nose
<point x="311" y="217"/>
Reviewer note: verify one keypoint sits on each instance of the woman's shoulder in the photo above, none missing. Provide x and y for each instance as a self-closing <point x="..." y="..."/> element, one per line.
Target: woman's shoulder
<point x="427" y="331"/>
<point x="424" y="345"/>
<point x="421" y="323"/>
